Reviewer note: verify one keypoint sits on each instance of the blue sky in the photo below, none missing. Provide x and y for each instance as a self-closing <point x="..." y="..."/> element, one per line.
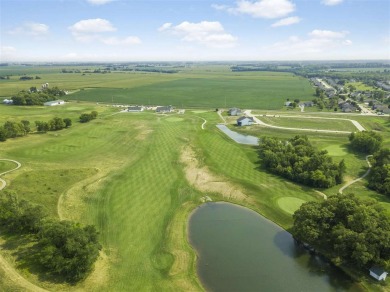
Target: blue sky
<point x="143" y="30"/>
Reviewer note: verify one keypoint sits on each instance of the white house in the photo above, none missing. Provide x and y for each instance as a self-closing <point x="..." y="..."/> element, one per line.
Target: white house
<point x="245" y="121"/>
<point x="54" y="102"/>
<point x="378" y="273"/>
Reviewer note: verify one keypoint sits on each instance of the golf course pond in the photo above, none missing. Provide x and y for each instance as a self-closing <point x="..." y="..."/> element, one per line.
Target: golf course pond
<point x="239" y="250"/>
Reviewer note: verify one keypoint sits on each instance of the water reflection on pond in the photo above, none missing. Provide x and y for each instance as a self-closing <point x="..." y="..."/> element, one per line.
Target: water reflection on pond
<point x="239" y="250"/>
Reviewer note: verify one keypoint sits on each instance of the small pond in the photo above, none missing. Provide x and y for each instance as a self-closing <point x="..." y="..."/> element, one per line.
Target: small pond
<point x="239" y="250"/>
<point x="239" y="138"/>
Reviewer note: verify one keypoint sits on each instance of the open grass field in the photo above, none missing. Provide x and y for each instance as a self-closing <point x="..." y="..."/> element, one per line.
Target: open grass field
<point x="134" y="177"/>
<point x="201" y="86"/>
<point x="309" y="123"/>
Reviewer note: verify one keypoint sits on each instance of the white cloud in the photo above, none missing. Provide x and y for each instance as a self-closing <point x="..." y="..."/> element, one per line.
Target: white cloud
<point x="99" y="2"/>
<point x="331" y="2"/>
<point x="114" y="41"/>
<point x="31" y="28"/>
<point x="318" y="41"/>
<point x="260" y="9"/>
<point x="317" y="33"/>
<point x="7" y="49"/>
<point x="90" y="30"/>
<point x="165" y="26"/>
<point x="96" y="25"/>
<point x="209" y="33"/>
<point x="287" y="21"/>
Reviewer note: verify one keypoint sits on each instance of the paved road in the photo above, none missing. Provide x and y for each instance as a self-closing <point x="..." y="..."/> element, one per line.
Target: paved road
<point x="360" y="178"/>
<point x="356" y="123"/>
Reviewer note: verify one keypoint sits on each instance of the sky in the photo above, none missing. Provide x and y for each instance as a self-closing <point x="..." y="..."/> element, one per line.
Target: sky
<point x="193" y="30"/>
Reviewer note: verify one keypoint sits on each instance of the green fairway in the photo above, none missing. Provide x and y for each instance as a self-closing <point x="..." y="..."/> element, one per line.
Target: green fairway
<point x="290" y="204"/>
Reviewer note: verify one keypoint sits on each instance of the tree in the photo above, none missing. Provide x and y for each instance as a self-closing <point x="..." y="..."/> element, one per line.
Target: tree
<point x="365" y="141"/>
<point x="345" y="228"/>
<point x="68" y="122"/>
<point x="3" y="135"/>
<point x="68" y="249"/>
<point x="26" y="126"/>
<point x="42" y="126"/>
<point x="56" y="124"/>
<point x="379" y="178"/>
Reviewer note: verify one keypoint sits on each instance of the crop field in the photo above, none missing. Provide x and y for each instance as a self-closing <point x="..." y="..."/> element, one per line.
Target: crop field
<point x="197" y="87"/>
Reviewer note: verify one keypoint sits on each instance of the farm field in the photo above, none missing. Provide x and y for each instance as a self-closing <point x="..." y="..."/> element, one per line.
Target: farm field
<point x="201" y="87"/>
<point x="138" y="176"/>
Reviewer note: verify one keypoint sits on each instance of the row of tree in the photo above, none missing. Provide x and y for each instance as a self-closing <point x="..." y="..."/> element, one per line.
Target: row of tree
<point x="297" y="160"/>
<point x="18" y="129"/>
<point x="346" y="229"/>
<point x="64" y="248"/>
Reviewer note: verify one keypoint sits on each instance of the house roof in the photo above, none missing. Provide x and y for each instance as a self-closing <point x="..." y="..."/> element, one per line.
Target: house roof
<point x="377" y="270"/>
<point x="134" y="108"/>
<point x="164" y="108"/>
<point x="234" y="109"/>
<point x="243" y="118"/>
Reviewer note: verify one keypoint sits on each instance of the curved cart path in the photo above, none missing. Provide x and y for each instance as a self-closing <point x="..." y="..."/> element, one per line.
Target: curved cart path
<point x="204" y="123"/>
<point x="360" y="178"/>
<point x="8" y="269"/>
<point x="259" y="122"/>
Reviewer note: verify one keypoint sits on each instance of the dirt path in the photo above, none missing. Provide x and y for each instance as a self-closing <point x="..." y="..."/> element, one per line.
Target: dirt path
<point x="8" y="269"/>
<point x="360" y="178"/>
<point x="259" y="122"/>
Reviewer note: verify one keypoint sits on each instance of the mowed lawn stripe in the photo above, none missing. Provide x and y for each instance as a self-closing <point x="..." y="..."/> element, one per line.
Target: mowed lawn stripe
<point x="138" y="205"/>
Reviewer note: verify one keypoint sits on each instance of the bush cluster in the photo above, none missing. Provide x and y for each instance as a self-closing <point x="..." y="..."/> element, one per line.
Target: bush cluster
<point x="85" y="118"/>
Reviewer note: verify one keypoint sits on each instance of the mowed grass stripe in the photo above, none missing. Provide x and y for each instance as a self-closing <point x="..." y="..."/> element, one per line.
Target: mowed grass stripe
<point x="138" y="204"/>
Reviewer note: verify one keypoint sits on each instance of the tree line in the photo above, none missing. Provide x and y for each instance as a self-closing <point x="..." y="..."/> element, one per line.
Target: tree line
<point x="64" y="248"/>
<point x="12" y="129"/>
<point x="85" y="118"/>
<point x="297" y="160"/>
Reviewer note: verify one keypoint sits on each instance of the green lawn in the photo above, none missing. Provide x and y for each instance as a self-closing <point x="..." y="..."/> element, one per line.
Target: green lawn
<point x="310" y="123"/>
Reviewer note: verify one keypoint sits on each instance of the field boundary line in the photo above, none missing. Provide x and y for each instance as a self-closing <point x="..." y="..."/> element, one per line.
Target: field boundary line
<point x="360" y="178"/>
<point x="9" y="270"/>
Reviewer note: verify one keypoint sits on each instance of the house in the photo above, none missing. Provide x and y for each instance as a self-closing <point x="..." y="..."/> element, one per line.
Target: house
<point x="234" y="111"/>
<point x="54" y="102"/>
<point x="245" y="121"/>
<point x="378" y="273"/>
<point x="164" y="109"/>
<point x="135" y="108"/>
